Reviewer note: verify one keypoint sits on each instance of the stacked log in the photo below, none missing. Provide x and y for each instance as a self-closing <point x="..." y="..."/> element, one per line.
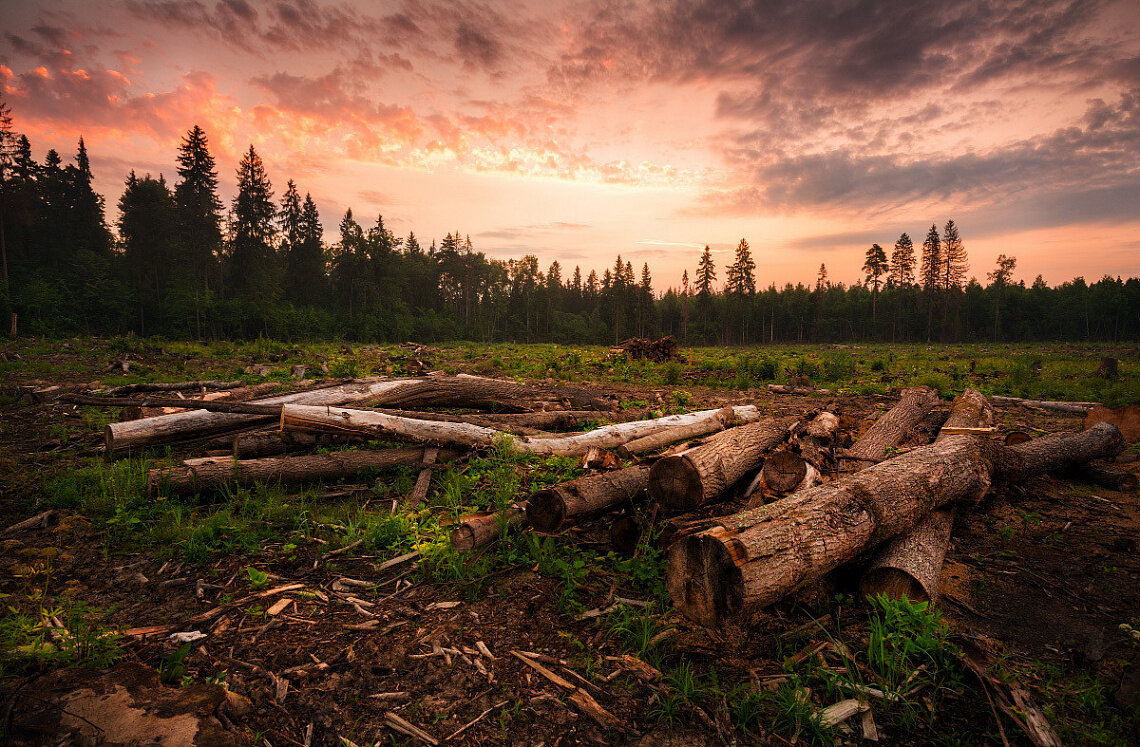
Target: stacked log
<point x="639" y="348"/>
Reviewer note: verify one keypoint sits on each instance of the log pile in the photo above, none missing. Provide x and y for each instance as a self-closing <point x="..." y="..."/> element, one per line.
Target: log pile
<point x="640" y="348"/>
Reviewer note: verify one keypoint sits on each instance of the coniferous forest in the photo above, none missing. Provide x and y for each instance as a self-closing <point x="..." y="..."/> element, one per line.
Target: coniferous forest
<point x="181" y="263"/>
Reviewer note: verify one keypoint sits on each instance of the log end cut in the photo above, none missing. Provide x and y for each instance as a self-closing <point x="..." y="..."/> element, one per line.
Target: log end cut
<point x="546" y="511"/>
<point x="784" y="471"/>
<point x="894" y="582"/>
<point x="675" y="484"/>
<point x="463" y="538"/>
<point x="704" y="580"/>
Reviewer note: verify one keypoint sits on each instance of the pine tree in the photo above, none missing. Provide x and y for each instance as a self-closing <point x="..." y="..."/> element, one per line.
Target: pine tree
<point x="85" y="226"/>
<point x="7" y="182"/>
<point x="741" y="278"/>
<point x="706" y="273"/>
<point x="252" y="261"/>
<point x="289" y="219"/>
<point x="954" y="264"/>
<point x="902" y="263"/>
<point x="199" y="208"/>
<point x="305" y="271"/>
<point x="821" y="279"/>
<point x="931" y="266"/>
<point x="999" y="279"/>
<point x="412" y="244"/>
<point x="875" y="267"/>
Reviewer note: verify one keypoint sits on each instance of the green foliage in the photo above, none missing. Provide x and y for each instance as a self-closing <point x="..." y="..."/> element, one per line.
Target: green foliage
<point x="172" y="667"/>
<point x="84" y="640"/>
<point x="258" y="579"/>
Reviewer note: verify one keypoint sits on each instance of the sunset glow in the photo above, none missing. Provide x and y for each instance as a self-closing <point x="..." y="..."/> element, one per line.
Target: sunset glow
<point x="580" y="130"/>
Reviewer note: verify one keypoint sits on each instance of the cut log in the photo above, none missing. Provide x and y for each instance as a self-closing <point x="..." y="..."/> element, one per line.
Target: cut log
<point x="259" y="444"/>
<point x="1013" y="438"/>
<point x="183" y="426"/>
<point x="481" y="529"/>
<point x="559" y="507"/>
<point x="793" y="389"/>
<point x="894" y="425"/>
<point x="1105" y="477"/>
<point x="753" y="558"/>
<point x="210" y="473"/>
<point x="1079" y="408"/>
<point x="700" y="475"/>
<point x="625" y="534"/>
<point x="377" y="424"/>
<point x="725" y="418"/>
<point x="910" y="565"/>
<point x="476" y="392"/>
<point x="784" y="471"/>
<point x="178" y="386"/>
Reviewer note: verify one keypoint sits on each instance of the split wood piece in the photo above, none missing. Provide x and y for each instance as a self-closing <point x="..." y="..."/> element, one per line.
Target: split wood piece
<point x="1105" y="477"/>
<point x="481" y="393"/>
<point x="753" y="558"/>
<point x="134" y="434"/>
<point x="179" y="386"/>
<point x="481" y="529"/>
<point x="377" y="424"/>
<point x="211" y="614"/>
<point x="725" y="418"/>
<point x="579" y="697"/>
<point x="209" y="473"/>
<point x="423" y="481"/>
<point x="815" y="443"/>
<point x="792" y="389"/>
<point x="1079" y="408"/>
<point x="700" y="475"/>
<point x="559" y="507"/>
<point x="40" y="521"/>
<point x="894" y="425"/>
<point x="910" y="565"/>
<point x="407" y="728"/>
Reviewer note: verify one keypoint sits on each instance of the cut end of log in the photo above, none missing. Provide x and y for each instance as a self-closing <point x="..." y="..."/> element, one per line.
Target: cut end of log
<point x="784" y="471"/>
<point x="625" y="533"/>
<point x="1013" y="438"/>
<point x="463" y="538"/>
<point x="675" y="484"/>
<point x="894" y="582"/>
<point x="545" y="511"/>
<point x="704" y="580"/>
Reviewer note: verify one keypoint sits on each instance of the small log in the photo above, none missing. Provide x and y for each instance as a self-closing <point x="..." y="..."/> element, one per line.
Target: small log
<point x="700" y="475"/>
<point x="210" y="473"/>
<point x="1105" y="477"/>
<point x="725" y="418"/>
<point x="481" y="529"/>
<point x="784" y="471"/>
<point x="559" y="507"/>
<point x="179" y="386"/>
<point x="753" y="558"/>
<point x="1080" y="408"/>
<point x="258" y="444"/>
<point x="423" y="480"/>
<point x="894" y="425"/>
<point x="625" y="534"/>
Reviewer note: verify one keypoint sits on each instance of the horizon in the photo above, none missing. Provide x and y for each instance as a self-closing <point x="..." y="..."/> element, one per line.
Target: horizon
<point x="648" y="133"/>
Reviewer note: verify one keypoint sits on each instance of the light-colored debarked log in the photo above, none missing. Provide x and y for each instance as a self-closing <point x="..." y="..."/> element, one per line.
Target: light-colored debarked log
<point x="482" y="529"/>
<point x="559" y="507"/>
<point x="480" y="393"/>
<point x="181" y="426"/>
<point x="753" y="558"/>
<point x="793" y="389"/>
<point x="700" y="475"/>
<point x="893" y="426"/>
<point x="1079" y="408"/>
<point x="377" y="424"/>
<point x="725" y="418"/>
<point x="210" y="473"/>
<point x="910" y="565"/>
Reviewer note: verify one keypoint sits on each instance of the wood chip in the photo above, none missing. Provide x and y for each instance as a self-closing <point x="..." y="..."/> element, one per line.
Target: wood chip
<point x="406" y="728"/>
<point x="841" y="711"/>
<point x="870" y="731"/>
<point x="279" y="606"/>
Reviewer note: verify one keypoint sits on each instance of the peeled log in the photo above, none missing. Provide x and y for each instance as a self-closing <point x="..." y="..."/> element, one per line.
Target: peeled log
<point x="753" y="558"/>
<point x="700" y="475"/>
<point x="561" y="506"/>
<point x="210" y="473"/>
<point x="377" y="424"/>
<point x="182" y="426"/>
<point x="910" y="565"/>
<point x="894" y="425"/>
<point x="725" y="418"/>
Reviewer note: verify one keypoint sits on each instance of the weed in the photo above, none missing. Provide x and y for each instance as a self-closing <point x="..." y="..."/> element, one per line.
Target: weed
<point x="257" y="579"/>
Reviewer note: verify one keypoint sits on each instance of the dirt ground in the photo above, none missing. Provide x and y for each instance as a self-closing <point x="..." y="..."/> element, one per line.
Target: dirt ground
<point x="1039" y="577"/>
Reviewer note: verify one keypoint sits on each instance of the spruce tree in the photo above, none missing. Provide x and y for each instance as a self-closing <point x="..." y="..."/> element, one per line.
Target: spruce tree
<point x="7" y="183"/>
<point x="148" y="230"/>
<point x="902" y="263"/>
<point x="741" y="278"/>
<point x="199" y="208"/>
<point x="706" y="273"/>
<point x="931" y="267"/>
<point x="305" y="272"/>
<point x="954" y="262"/>
<point x="289" y="219"/>
<point x="252" y="261"/>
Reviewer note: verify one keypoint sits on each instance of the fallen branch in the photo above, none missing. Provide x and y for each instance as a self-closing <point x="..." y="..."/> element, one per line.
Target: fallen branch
<point x="179" y="386"/>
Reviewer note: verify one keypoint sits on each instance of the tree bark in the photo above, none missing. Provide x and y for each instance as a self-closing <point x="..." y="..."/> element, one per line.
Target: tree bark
<point x="210" y="473"/>
<point x="791" y="389"/>
<point x="376" y="424"/>
<point x="755" y="557"/>
<point x="257" y="444"/>
<point x="184" y="426"/>
<point x="699" y="475"/>
<point x="910" y="565"/>
<point x="1079" y="408"/>
<point x="1105" y="477"/>
<point x="480" y="393"/>
<point x="481" y="529"/>
<point x="119" y="391"/>
<point x="559" y="507"/>
<point x="893" y="426"/>
<point x="725" y="418"/>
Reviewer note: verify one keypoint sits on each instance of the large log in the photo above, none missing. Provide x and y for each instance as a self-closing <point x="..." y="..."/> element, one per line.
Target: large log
<point x="183" y="426"/>
<point x="476" y="392"/>
<point x="753" y="558"/>
<point x="210" y="473"/>
<point x="561" y="506"/>
<point x="377" y="424"/>
<point x="179" y="386"/>
<point x="910" y="565"/>
<point x="699" y="475"/>
<point x="894" y="425"/>
<point x="1079" y="408"/>
<point x="725" y="418"/>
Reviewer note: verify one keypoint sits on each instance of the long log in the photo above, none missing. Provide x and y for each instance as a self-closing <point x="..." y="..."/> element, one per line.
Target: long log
<point x="725" y="418"/>
<point x="910" y="565"/>
<point x="182" y="426"/>
<point x="556" y="508"/>
<point x="475" y="392"/>
<point x="210" y="473"/>
<point x="1079" y="408"/>
<point x="377" y="424"/>
<point x="1105" y="477"/>
<point x="894" y="425"/>
<point x="755" y="557"/>
<point x="257" y="444"/>
<point x="699" y="475"/>
<point x="177" y="386"/>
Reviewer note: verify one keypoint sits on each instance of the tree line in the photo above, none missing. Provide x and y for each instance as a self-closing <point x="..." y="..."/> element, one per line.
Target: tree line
<point x="183" y="264"/>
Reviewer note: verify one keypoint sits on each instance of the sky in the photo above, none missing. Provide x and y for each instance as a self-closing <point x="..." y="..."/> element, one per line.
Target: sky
<point x="577" y="130"/>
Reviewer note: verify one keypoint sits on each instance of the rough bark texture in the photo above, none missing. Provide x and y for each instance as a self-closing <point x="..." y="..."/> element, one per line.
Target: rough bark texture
<point x="210" y="473"/>
<point x="755" y="557"/>
<point x="784" y="471"/>
<point x="482" y="529"/>
<point x="561" y="506"/>
<point x="1076" y="407"/>
<point x="725" y="418"/>
<point x="910" y="565"/>
<point x="893" y="426"/>
<point x="372" y="424"/>
<point x="697" y="476"/>
<point x="480" y="393"/>
<point x="180" y="386"/>
<point x="1105" y="477"/>
<point x="182" y="426"/>
<point x="259" y="444"/>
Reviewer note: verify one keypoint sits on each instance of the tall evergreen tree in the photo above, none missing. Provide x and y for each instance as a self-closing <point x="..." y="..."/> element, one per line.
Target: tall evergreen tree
<point x="148" y="229"/>
<point x="289" y="218"/>
<point x="199" y="208"/>
<point x="999" y="278"/>
<point x="931" y="274"/>
<point x="954" y="263"/>
<point x="305" y="272"/>
<point x="706" y="273"/>
<point x="875" y="267"/>
<point x="741" y="279"/>
<point x="7" y="184"/>
<point x="902" y="263"/>
<point x="252" y="261"/>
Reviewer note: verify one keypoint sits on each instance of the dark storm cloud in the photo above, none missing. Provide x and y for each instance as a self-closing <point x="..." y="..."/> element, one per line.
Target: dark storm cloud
<point x="476" y="48"/>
